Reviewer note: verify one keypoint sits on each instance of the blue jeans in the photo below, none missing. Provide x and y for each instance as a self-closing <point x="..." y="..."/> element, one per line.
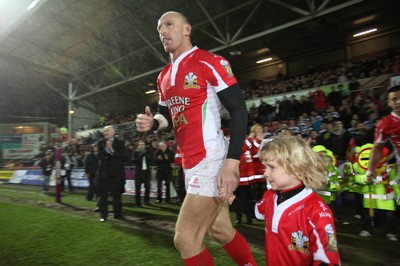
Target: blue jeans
<point x="46" y="181"/>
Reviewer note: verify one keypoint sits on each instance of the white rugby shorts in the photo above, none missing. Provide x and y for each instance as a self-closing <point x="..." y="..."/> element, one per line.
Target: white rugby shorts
<point x="202" y="178"/>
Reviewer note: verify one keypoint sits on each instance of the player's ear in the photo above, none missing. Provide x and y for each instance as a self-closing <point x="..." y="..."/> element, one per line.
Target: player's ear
<point x="188" y="29"/>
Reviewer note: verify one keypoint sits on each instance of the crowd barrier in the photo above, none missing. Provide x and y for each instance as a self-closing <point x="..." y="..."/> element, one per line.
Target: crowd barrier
<point x="33" y="176"/>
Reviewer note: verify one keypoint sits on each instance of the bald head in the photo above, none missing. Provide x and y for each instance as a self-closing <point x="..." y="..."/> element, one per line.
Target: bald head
<point x="178" y="15"/>
<point x="174" y="31"/>
<point x="109" y="132"/>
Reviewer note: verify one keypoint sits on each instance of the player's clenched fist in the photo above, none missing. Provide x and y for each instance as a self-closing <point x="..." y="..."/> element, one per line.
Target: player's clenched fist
<point x="144" y="122"/>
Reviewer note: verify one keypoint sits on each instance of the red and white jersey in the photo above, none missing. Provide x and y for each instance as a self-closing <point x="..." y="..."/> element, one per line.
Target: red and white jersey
<point x="258" y="166"/>
<point x="246" y="167"/>
<point x="299" y="231"/>
<point x="388" y="129"/>
<point x="189" y="87"/>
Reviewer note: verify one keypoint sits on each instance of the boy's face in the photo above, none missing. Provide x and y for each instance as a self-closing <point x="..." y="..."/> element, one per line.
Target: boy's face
<point x="276" y="175"/>
<point x="394" y="101"/>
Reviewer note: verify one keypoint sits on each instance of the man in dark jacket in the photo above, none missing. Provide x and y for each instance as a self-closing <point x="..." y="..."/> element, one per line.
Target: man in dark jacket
<point x="47" y="165"/>
<point x="142" y="158"/>
<point x="164" y="158"/>
<point x="111" y="177"/>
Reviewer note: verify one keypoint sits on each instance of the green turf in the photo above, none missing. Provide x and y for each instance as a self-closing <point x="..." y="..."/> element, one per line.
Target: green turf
<point x="34" y="230"/>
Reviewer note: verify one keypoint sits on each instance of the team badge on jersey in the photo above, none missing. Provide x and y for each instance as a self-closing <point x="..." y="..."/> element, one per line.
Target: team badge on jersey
<point x="191" y="81"/>
<point x="299" y="242"/>
<point x="330" y="235"/>
<point x="227" y="67"/>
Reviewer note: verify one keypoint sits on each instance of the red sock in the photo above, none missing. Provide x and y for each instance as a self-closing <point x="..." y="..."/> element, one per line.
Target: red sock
<point x="239" y="251"/>
<point x="202" y="259"/>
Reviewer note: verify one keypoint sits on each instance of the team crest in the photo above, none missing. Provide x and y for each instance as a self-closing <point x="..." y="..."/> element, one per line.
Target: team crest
<point x="330" y="235"/>
<point x="191" y="81"/>
<point x="227" y="67"/>
<point x="299" y="242"/>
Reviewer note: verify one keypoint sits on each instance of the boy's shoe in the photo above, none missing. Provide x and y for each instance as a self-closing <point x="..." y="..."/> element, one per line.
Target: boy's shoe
<point x="365" y="233"/>
<point x="391" y="237"/>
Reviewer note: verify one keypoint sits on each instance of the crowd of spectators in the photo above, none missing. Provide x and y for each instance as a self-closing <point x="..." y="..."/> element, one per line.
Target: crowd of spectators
<point x="321" y="75"/>
<point x="340" y="115"/>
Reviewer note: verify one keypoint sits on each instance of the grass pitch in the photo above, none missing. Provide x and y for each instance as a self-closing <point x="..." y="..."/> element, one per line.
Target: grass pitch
<point x="34" y="230"/>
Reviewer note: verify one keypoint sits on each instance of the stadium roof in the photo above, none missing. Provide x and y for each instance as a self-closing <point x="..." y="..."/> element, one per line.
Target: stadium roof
<point x="109" y="53"/>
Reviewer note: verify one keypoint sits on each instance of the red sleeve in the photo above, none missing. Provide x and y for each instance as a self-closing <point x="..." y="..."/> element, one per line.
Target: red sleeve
<point x="323" y="238"/>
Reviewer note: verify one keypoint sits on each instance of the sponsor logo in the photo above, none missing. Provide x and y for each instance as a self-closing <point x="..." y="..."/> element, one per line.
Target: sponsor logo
<point x="330" y="236"/>
<point x="325" y="214"/>
<point x="296" y="210"/>
<point x="323" y="206"/>
<point x="191" y="81"/>
<point x="227" y="67"/>
<point x="195" y="183"/>
<point x="178" y="120"/>
<point x="177" y="106"/>
<point x="299" y="242"/>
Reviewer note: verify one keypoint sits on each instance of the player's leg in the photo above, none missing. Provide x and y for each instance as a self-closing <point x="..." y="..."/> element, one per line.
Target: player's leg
<point x="196" y="216"/>
<point x="233" y="242"/>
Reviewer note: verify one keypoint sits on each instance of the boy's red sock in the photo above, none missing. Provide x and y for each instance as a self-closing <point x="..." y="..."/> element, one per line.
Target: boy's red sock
<point x="239" y="251"/>
<point x="202" y="259"/>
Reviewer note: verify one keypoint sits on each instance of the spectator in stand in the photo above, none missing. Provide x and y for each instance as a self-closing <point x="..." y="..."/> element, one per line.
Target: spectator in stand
<point x="91" y="164"/>
<point x="294" y="110"/>
<point x="320" y="101"/>
<point x="285" y="132"/>
<point x="340" y="140"/>
<point x="360" y="134"/>
<point x="305" y="105"/>
<point x="325" y="135"/>
<point x="313" y="138"/>
<point x="164" y="157"/>
<point x="335" y="97"/>
<point x="47" y="165"/>
<point x="342" y="78"/>
<point x="285" y="108"/>
<point x="142" y="159"/>
<point x="111" y="175"/>
<point x="68" y="162"/>
<point x="357" y="107"/>
<point x="264" y="112"/>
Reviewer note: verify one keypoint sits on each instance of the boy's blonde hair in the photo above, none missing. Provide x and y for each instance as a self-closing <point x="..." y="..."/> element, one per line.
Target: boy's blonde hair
<point x="298" y="159"/>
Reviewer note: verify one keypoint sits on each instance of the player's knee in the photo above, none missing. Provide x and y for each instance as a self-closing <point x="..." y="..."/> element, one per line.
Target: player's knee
<point x="221" y="235"/>
<point x="181" y="241"/>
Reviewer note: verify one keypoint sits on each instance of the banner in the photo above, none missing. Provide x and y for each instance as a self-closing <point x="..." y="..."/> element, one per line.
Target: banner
<point x="6" y="174"/>
<point x="34" y="177"/>
<point x="22" y="153"/>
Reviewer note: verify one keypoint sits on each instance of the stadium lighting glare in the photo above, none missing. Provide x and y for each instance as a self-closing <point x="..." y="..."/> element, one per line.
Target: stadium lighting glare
<point x="264" y="60"/>
<point x="150" y="91"/>
<point x="262" y="50"/>
<point x="365" y="32"/>
<point x="33" y="4"/>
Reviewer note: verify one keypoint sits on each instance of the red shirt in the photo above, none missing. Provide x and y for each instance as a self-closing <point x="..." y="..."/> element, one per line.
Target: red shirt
<point x="189" y="87"/>
<point x="246" y="167"/>
<point x="389" y="129"/>
<point x="298" y="231"/>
